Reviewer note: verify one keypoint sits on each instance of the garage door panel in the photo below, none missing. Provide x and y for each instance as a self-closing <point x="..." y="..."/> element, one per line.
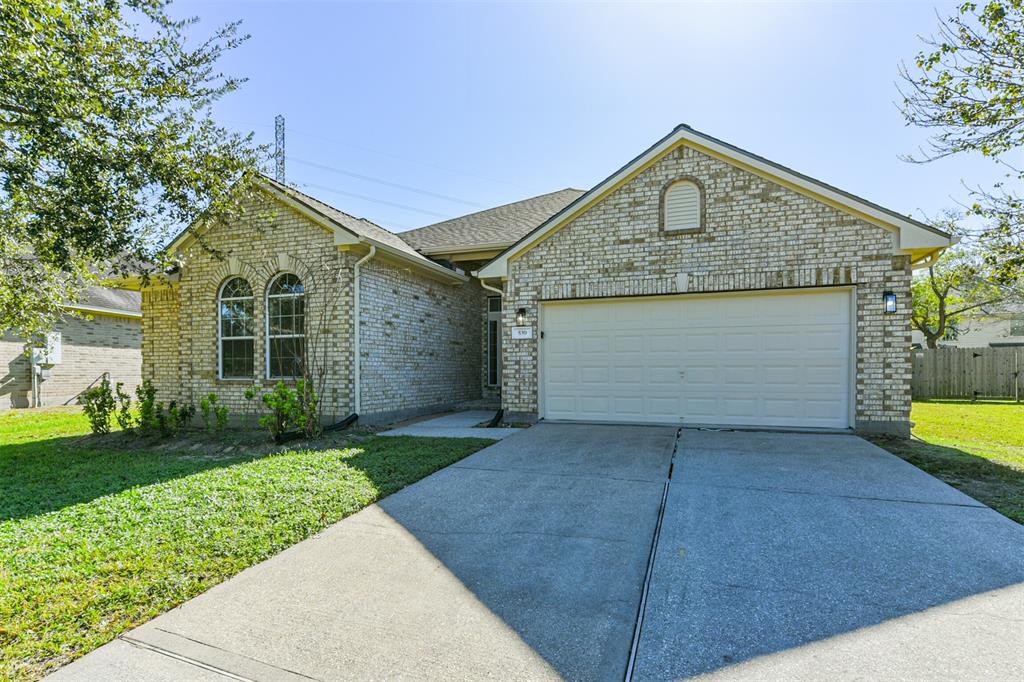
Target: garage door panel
<point x="776" y="359"/>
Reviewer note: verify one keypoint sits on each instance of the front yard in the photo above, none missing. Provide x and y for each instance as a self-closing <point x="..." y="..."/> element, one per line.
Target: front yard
<point x="98" y="535"/>
<point x="975" y="447"/>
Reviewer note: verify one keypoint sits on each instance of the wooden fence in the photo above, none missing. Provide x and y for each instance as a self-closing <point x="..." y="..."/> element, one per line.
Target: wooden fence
<point x="971" y="373"/>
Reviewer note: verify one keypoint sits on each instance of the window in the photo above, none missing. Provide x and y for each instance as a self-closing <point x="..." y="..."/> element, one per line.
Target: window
<point x="235" y="311"/>
<point x="494" y="341"/>
<point x="682" y="207"/>
<point x="286" y="327"/>
<point x="1017" y="325"/>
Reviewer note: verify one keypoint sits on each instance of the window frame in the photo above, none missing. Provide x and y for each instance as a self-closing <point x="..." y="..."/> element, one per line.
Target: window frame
<point x="220" y="329"/>
<point x="1016" y="324"/>
<point x="493" y="316"/>
<point x="701" y="212"/>
<point x="266" y="325"/>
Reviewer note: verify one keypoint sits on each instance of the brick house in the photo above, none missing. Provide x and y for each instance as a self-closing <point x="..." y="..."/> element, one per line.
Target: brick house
<point x="697" y="284"/>
<point x="102" y="335"/>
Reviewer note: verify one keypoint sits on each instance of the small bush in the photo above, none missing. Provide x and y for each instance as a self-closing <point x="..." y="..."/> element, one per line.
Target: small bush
<point x="171" y="422"/>
<point x="292" y="410"/>
<point x="221" y="413"/>
<point x="148" y="421"/>
<point x="283" y="404"/>
<point x="124" y="415"/>
<point x="98" y="405"/>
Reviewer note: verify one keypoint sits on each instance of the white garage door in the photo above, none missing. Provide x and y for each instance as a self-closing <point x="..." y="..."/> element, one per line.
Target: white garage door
<point x="773" y="359"/>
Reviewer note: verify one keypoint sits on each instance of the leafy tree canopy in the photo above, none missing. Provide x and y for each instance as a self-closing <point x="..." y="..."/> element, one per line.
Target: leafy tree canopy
<point x="106" y="144"/>
<point x="968" y="88"/>
<point x="961" y="283"/>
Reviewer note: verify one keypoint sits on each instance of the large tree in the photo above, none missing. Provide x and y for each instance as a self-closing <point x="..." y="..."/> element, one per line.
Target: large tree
<point x="106" y="144"/>
<point x="967" y="87"/>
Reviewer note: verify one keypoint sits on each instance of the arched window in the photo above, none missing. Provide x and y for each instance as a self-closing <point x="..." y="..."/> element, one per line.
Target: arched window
<point x="682" y="209"/>
<point x="237" y="333"/>
<point x="286" y="327"/>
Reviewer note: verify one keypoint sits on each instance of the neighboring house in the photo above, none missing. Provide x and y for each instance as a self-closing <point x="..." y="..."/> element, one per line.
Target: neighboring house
<point x="999" y="327"/>
<point x="697" y="284"/>
<point x="102" y="334"/>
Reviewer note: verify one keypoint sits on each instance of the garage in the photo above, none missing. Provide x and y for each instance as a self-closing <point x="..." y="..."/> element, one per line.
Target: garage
<point x="745" y="359"/>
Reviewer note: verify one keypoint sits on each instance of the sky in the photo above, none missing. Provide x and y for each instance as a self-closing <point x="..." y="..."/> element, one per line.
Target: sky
<point x="407" y="114"/>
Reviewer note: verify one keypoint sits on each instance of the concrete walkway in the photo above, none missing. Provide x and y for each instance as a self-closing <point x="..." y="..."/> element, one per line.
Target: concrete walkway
<point x="524" y="561"/>
<point x="455" y="425"/>
<point x="809" y="557"/>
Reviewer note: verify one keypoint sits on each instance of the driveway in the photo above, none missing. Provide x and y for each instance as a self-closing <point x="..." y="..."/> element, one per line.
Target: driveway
<point x="780" y="556"/>
<point x="799" y="556"/>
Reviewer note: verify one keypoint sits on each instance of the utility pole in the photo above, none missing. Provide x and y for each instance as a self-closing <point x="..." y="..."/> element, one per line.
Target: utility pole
<point x="279" y="148"/>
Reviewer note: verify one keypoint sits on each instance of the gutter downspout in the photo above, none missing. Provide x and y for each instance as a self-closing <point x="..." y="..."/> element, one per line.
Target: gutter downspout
<point x="355" y="343"/>
<point x="488" y="287"/>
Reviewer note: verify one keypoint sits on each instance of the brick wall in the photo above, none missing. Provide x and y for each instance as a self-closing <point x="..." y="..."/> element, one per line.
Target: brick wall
<point x="420" y="340"/>
<point x="758" y="235"/>
<point x="181" y="347"/>
<point x="90" y="347"/>
<point x="420" y="347"/>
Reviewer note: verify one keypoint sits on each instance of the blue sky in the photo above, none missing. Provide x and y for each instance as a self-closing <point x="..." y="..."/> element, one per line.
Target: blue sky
<point x="475" y="105"/>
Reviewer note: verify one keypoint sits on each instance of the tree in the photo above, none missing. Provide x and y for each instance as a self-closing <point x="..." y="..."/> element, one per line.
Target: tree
<point x="107" y="145"/>
<point x="968" y="87"/>
<point x="958" y="283"/>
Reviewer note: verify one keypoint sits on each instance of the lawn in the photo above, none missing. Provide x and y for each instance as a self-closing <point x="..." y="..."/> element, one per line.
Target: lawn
<point x="976" y="447"/>
<point x="100" y="535"/>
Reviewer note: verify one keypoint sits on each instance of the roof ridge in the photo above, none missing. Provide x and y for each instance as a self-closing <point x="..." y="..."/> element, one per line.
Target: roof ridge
<point x="493" y="208"/>
<point x="290" y="188"/>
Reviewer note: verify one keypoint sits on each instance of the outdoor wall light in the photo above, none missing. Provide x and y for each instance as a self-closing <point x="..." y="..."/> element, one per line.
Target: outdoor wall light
<point x="521" y="317"/>
<point x="890" y="301"/>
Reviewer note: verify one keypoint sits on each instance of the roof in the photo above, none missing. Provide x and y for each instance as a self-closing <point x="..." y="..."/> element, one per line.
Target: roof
<point x="347" y="228"/>
<point x="915" y="238"/>
<point x="497" y="227"/>
<point x="360" y="226"/>
<point x="112" y="301"/>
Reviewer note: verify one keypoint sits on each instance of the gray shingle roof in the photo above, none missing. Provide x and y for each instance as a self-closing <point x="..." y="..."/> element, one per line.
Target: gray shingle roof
<point x="501" y="225"/>
<point x="359" y="226"/>
<point x="114" y="299"/>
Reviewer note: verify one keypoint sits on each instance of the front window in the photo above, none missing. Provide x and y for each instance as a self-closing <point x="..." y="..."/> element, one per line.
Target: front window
<point x="494" y="341"/>
<point x="1017" y="325"/>
<point x="286" y="327"/>
<point x="237" y="337"/>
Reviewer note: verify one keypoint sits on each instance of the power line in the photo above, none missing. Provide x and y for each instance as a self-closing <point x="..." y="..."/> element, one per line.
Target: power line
<point x="426" y="164"/>
<point x="363" y="197"/>
<point x="406" y="188"/>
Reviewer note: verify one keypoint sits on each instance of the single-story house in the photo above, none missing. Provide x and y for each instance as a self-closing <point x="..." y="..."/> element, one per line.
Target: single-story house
<point x="101" y="334"/>
<point x="999" y="326"/>
<point x="697" y="284"/>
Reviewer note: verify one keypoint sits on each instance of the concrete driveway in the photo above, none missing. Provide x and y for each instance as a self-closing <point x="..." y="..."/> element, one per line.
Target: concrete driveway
<point x="798" y="556"/>
<point x="780" y="556"/>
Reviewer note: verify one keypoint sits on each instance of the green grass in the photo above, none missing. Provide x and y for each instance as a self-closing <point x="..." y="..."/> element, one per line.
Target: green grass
<point x="99" y="535"/>
<point x="975" y="447"/>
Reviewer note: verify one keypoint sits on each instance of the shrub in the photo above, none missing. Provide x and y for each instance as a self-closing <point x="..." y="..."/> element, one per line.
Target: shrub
<point x="124" y="416"/>
<point x="221" y="413"/>
<point x="206" y="407"/>
<point x="98" y="405"/>
<point x="176" y="418"/>
<point x="148" y="421"/>
<point x="283" y="404"/>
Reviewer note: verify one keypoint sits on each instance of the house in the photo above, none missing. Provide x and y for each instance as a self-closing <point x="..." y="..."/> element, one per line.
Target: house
<point x="998" y="327"/>
<point x="102" y="335"/>
<point x="697" y="284"/>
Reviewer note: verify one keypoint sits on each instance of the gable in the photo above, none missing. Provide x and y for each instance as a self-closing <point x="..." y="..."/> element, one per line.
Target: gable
<point x="910" y="237"/>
